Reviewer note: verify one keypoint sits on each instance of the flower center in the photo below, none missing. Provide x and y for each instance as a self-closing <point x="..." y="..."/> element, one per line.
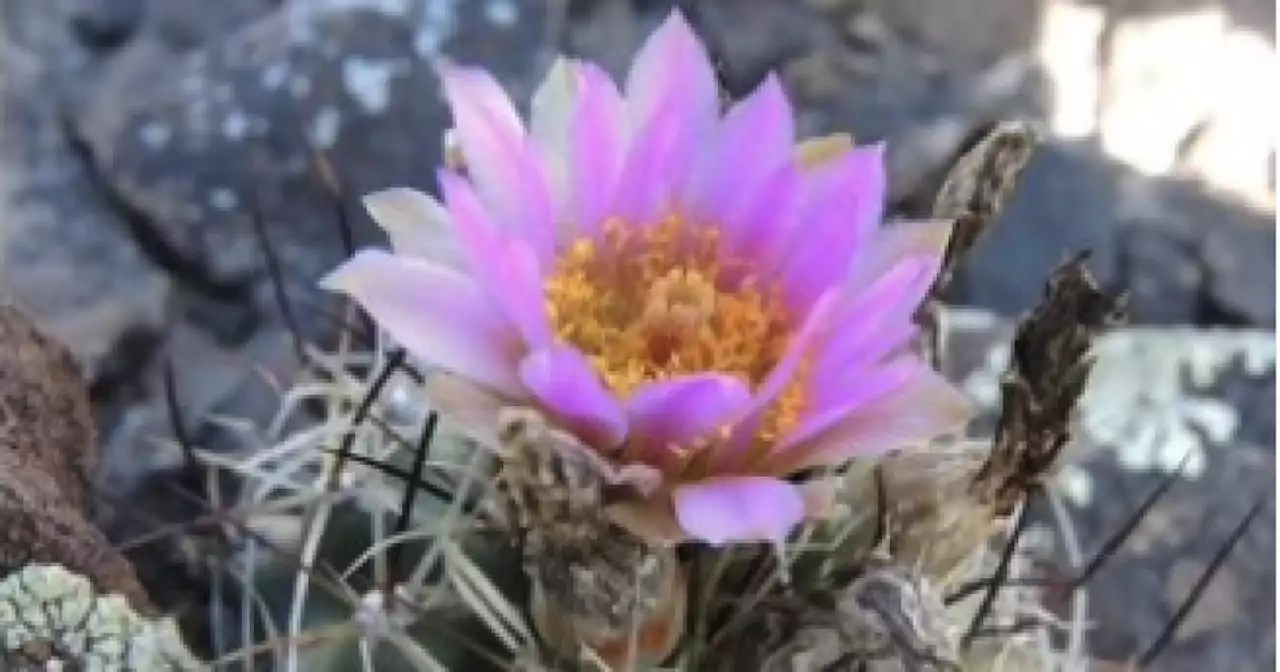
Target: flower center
<point x="651" y="303"/>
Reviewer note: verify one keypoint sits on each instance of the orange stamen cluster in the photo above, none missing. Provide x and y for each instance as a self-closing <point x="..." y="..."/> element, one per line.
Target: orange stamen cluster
<point x="651" y="303"/>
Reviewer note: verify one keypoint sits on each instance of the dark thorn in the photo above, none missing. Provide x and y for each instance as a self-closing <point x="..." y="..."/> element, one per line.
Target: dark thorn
<point x="344" y="452"/>
<point x="175" y="417"/>
<point x="423" y="450"/>
<point x="333" y="186"/>
<point x="1108" y="549"/>
<point x="1002" y="571"/>
<point x="394" y="361"/>
<point x="1113" y="543"/>
<point x="1219" y="559"/>
<point x="272" y="261"/>
<point x="882" y="507"/>
<point x="401" y="474"/>
<point x="362" y="336"/>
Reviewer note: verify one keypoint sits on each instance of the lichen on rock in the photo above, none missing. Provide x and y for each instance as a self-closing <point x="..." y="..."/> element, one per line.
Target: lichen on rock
<point x="50" y="616"/>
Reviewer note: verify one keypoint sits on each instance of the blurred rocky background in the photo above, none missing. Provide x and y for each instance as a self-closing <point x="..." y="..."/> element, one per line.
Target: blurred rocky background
<point x="146" y="146"/>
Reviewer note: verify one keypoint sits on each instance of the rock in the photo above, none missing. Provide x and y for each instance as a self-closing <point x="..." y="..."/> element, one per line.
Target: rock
<point x="238" y="383"/>
<point x="758" y="36"/>
<point x="606" y="32"/>
<point x="1186" y="255"/>
<point x="1145" y="582"/>
<point x="234" y="129"/>
<point x="1240" y="264"/>
<point x="182" y="25"/>
<point x="64" y="252"/>
<point x="104" y="25"/>
<point x="48" y="454"/>
<point x="1158" y="395"/>
<point x="961" y="33"/>
<point x="1232" y="242"/>
<point x="40" y="37"/>
<point x="1161" y="271"/>
<point x="187" y="24"/>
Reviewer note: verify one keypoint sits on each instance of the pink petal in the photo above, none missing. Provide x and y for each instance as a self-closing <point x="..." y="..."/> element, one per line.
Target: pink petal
<point x="734" y="455"/>
<point x="764" y="218"/>
<point x="927" y="408"/>
<point x="671" y="68"/>
<point x="504" y="162"/>
<point x="875" y="320"/>
<point x="755" y="140"/>
<point x="926" y="238"/>
<point x="862" y="388"/>
<point x="505" y="267"/>
<point x="679" y="411"/>
<point x="657" y="163"/>
<point x="435" y="313"/>
<point x="842" y="210"/>
<point x="417" y="225"/>
<point x="831" y="383"/>
<point x="550" y="126"/>
<point x="568" y="387"/>
<point x="739" y="509"/>
<point x="598" y="147"/>
<point x="672" y="101"/>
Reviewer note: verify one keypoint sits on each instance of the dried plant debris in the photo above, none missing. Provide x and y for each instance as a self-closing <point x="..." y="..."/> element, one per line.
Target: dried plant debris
<point x="887" y="620"/>
<point x="48" y="451"/>
<point x="946" y="502"/>
<point x="1041" y="390"/>
<point x="593" y="583"/>
<point x="973" y="193"/>
<point x="934" y="523"/>
<point x="1046" y="377"/>
<point x="51" y="618"/>
<point x="979" y="184"/>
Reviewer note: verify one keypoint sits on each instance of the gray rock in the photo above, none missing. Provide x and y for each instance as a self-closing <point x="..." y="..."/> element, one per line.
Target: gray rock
<point x="1161" y="271"/>
<point x="1156" y="396"/>
<point x="234" y="128"/>
<point x="606" y="32"/>
<point x="960" y="32"/>
<point x="107" y="24"/>
<point x="1145" y="582"/>
<point x="1240" y="262"/>
<point x="187" y="24"/>
<point x="40" y="36"/>
<point x="224" y="394"/>
<point x="1185" y="254"/>
<point x="64" y="253"/>
<point x="758" y="36"/>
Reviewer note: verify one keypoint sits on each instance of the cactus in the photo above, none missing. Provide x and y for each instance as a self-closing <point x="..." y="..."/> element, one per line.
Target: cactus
<point x="52" y="617"/>
<point x="432" y="545"/>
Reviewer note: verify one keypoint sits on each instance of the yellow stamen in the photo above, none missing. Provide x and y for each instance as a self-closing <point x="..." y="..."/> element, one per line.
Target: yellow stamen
<point x="650" y="303"/>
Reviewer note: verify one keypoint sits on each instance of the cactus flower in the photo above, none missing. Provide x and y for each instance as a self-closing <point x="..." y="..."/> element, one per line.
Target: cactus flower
<point x="681" y="287"/>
